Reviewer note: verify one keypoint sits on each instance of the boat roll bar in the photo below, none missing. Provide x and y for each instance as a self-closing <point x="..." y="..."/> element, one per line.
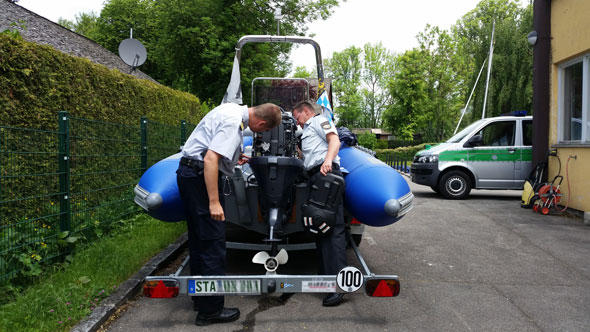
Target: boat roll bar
<point x="286" y="39"/>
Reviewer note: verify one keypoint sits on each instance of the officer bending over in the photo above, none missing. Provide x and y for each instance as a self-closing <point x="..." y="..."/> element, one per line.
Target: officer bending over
<point x="320" y="145"/>
<point x="213" y="149"/>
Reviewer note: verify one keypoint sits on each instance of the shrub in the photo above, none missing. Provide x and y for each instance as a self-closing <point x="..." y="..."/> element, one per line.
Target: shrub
<point x="402" y="153"/>
<point x="37" y="81"/>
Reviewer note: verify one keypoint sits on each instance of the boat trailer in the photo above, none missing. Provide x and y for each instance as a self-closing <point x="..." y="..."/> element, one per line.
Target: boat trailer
<point x="348" y="280"/>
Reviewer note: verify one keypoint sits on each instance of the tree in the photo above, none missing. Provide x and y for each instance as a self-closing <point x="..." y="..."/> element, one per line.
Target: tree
<point x="444" y="76"/>
<point x="85" y="24"/>
<point x="408" y="92"/>
<point x="375" y="75"/>
<point x="367" y="139"/>
<point x="511" y="80"/>
<point x="191" y="43"/>
<point x="345" y="70"/>
<point x="302" y="72"/>
<point x="360" y="84"/>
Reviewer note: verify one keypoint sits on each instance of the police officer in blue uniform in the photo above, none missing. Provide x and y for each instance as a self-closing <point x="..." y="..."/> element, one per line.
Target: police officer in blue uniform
<point x="320" y="145"/>
<point x="212" y="150"/>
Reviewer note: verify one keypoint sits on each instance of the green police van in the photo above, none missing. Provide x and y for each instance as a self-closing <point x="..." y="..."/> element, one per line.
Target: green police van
<point x="492" y="153"/>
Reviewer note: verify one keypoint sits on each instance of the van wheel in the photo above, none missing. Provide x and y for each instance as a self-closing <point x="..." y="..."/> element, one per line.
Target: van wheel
<point x="455" y="185"/>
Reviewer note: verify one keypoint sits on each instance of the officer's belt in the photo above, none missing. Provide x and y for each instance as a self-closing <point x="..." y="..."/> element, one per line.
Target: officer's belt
<point x="315" y="169"/>
<point x="192" y="163"/>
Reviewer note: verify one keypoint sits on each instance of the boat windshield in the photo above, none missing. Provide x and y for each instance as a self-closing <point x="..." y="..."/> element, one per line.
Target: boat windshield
<point x="461" y="135"/>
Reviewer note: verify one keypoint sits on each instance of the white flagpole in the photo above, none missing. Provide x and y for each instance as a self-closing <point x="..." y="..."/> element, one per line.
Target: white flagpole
<point x="469" y="99"/>
<point x="485" y="97"/>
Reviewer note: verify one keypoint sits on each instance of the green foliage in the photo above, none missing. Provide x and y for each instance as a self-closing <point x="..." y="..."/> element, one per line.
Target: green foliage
<point x="381" y="144"/>
<point x="14" y="31"/>
<point x="402" y="153"/>
<point x="345" y="70"/>
<point x="85" y="24"/>
<point x="367" y="140"/>
<point x="511" y="80"/>
<point x="62" y="297"/>
<point x="443" y="77"/>
<point x="360" y="84"/>
<point x="409" y="94"/>
<point x="191" y="43"/>
<point x="375" y="75"/>
<point x="37" y="81"/>
<point x="302" y="72"/>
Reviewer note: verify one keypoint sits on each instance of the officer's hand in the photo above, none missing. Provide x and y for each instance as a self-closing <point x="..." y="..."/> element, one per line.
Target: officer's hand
<point x="326" y="168"/>
<point x="216" y="211"/>
<point x="243" y="159"/>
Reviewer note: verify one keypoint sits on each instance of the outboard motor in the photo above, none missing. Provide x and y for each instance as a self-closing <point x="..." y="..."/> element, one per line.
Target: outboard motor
<point x="279" y="141"/>
<point x="275" y="176"/>
<point x="276" y="169"/>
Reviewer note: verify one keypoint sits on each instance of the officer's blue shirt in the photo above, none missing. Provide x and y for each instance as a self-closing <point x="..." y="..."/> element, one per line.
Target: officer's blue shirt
<point x="220" y="130"/>
<point x="314" y="144"/>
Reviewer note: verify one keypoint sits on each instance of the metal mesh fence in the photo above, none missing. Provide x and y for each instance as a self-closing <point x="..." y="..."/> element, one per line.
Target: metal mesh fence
<point x="29" y="197"/>
<point x="71" y="183"/>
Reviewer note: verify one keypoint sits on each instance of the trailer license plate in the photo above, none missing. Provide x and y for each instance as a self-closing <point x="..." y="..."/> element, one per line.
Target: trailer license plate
<point x="224" y="286"/>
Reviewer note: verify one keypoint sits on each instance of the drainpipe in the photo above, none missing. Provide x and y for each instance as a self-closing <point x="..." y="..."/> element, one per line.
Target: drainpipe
<point x="541" y="71"/>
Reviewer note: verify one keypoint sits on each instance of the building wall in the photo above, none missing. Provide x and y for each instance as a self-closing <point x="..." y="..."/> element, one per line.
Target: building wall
<point x="570" y="26"/>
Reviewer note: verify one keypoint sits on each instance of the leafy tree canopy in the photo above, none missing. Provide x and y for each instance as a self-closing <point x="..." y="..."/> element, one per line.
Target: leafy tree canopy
<point x="191" y="43"/>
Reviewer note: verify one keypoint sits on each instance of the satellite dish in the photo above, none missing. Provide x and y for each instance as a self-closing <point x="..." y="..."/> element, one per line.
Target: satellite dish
<point x="132" y="52"/>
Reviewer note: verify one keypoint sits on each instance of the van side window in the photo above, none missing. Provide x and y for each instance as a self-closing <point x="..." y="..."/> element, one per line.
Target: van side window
<point x="527" y="132"/>
<point x="499" y="133"/>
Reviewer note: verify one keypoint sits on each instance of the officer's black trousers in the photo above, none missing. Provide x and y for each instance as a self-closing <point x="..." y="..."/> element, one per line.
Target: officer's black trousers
<point x="206" y="237"/>
<point x="331" y="248"/>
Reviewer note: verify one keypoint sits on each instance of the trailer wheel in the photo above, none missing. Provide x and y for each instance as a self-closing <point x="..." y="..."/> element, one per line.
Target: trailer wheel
<point x="455" y="185"/>
<point x="357" y="238"/>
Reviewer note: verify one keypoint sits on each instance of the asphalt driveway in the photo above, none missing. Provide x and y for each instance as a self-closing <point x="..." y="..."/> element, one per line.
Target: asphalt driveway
<point x="482" y="264"/>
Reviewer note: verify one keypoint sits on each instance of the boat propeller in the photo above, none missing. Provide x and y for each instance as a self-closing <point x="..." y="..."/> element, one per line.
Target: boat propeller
<point x="271" y="263"/>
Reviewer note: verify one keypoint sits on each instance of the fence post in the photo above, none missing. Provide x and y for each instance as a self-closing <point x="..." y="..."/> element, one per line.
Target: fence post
<point x="143" y="129"/>
<point x="182" y="132"/>
<point x="65" y="211"/>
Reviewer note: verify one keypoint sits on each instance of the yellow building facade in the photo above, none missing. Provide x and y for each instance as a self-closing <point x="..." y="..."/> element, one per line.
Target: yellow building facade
<point x="569" y="119"/>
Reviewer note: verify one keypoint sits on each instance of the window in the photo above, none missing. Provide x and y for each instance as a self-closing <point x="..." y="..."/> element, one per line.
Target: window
<point x="527" y="132"/>
<point x="464" y="132"/>
<point x="499" y="133"/>
<point x="574" y="109"/>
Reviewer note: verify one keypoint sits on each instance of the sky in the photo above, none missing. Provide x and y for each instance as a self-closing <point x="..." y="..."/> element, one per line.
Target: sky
<point x="395" y="23"/>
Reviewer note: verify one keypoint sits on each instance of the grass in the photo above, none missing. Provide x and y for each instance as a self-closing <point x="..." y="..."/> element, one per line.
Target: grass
<point x="68" y="294"/>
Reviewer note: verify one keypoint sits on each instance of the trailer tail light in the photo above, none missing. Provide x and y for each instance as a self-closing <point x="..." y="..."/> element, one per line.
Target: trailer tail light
<point x="164" y="288"/>
<point x="355" y="221"/>
<point x="382" y="287"/>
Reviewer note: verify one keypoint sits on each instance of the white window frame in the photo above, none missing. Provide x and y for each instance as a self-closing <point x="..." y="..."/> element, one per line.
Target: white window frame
<point x="585" y="59"/>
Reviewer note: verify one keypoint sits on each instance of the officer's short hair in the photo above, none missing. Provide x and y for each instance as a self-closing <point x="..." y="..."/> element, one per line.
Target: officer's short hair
<point x="305" y="103"/>
<point x="270" y="113"/>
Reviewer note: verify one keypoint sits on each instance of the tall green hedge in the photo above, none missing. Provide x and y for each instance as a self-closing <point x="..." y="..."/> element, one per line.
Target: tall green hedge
<point x="401" y="153"/>
<point x="37" y="81"/>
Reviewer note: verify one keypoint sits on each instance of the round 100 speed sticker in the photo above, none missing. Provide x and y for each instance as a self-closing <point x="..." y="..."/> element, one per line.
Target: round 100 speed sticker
<point x="349" y="279"/>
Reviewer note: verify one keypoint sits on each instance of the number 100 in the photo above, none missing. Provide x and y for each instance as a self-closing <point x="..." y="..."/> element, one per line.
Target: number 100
<point x="350" y="278"/>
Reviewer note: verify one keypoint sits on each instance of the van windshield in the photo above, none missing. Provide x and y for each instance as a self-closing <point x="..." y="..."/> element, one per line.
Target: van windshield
<point x="460" y="135"/>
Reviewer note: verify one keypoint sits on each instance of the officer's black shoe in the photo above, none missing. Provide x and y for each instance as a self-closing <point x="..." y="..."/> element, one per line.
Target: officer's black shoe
<point x="225" y="315"/>
<point x="332" y="299"/>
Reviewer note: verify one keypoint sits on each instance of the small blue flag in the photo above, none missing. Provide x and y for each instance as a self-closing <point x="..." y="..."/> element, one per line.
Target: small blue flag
<point x="324" y="101"/>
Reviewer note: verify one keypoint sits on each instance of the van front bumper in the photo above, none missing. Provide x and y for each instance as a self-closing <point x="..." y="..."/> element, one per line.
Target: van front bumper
<point x="425" y="173"/>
